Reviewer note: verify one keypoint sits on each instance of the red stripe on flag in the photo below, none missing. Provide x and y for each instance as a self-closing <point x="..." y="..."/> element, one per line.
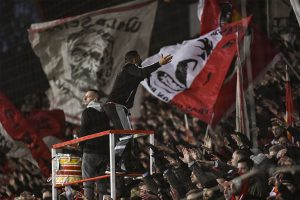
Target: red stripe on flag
<point x="200" y="98"/>
<point x="262" y="53"/>
<point x="209" y="20"/>
<point x="289" y="101"/>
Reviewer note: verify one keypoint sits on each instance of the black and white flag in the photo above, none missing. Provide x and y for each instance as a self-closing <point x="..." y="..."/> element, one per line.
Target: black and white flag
<point x="88" y="50"/>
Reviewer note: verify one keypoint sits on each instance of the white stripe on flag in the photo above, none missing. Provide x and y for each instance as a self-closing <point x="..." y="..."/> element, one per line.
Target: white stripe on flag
<point x="189" y="58"/>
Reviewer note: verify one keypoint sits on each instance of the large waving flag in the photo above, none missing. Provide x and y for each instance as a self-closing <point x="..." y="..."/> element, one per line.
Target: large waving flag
<point x="193" y="79"/>
<point x="87" y="51"/>
<point x="12" y="123"/>
<point x="262" y="55"/>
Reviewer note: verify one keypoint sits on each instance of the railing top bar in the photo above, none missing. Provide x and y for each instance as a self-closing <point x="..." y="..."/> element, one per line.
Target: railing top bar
<point x="81" y="139"/>
<point x="96" y="178"/>
<point x="84" y="180"/>
<point x="100" y="134"/>
<point x="132" y="132"/>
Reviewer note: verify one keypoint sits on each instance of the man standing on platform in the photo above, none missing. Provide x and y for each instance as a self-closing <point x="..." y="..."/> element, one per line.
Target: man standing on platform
<point x="122" y="95"/>
<point x="96" y="151"/>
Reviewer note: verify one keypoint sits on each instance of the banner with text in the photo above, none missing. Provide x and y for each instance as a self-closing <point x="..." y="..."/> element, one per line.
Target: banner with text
<point x="87" y="51"/>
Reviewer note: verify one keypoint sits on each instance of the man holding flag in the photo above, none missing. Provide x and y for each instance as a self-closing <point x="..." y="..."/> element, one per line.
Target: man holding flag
<point x="122" y="96"/>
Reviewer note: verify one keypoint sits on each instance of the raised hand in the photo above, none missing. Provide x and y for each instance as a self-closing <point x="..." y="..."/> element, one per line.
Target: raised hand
<point x="165" y="59"/>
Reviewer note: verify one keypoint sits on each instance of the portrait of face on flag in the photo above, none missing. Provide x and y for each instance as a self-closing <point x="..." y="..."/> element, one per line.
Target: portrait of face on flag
<point x="87" y="51"/>
<point x="188" y="60"/>
<point x="193" y="79"/>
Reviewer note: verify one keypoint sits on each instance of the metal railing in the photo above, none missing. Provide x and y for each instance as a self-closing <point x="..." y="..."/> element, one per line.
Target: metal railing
<point x="112" y="175"/>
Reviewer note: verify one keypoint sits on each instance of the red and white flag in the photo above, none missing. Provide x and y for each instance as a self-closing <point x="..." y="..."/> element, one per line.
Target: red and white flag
<point x="17" y="127"/>
<point x="87" y="51"/>
<point x="48" y="122"/>
<point x="192" y="81"/>
<point x="263" y="56"/>
<point x="209" y="15"/>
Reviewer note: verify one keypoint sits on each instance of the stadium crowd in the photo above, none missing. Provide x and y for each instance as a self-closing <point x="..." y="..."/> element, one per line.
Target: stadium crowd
<point x="191" y="163"/>
<point x="194" y="165"/>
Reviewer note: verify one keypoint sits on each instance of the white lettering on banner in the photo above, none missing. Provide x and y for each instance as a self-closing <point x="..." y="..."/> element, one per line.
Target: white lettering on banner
<point x="189" y="59"/>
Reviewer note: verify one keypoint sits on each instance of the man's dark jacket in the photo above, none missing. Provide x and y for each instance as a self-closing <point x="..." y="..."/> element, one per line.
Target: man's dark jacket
<point x="127" y="83"/>
<point x="94" y="121"/>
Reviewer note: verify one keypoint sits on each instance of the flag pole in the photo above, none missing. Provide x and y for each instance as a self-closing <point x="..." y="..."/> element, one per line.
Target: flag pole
<point x="186" y="123"/>
<point x="268" y="17"/>
<point x="250" y="91"/>
<point x="209" y="124"/>
<point x="242" y="121"/>
<point x="291" y="66"/>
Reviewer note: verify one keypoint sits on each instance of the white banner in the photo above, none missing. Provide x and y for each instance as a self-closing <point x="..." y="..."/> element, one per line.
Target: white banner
<point x="189" y="58"/>
<point x="296" y="8"/>
<point x="87" y="51"/>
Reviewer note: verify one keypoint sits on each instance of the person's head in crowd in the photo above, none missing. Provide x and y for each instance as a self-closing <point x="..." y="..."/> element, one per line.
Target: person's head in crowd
<point x="207" y="194"/>
<point x="238" y="155"/>
<point x="227" y="191"/>
<point x="274" y="149"/>
<point x="288" y="181"/>
<point x="47" y="195"/>
<point x="244" y="165"/>
<point x="90" y="95"/>
<point x="277" y="130"/>
<point x="26" y="196"/>
<point x="195" y="181"/>
<point x="133" y="57"/>
<point x="286" y="161"/>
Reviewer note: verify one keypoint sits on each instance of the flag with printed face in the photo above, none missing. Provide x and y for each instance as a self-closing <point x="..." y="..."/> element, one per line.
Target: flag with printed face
<point x="193" y="79"/>
<point x="88" y="50"/>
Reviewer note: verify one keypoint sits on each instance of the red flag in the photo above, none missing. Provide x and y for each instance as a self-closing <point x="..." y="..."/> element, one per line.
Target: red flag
<point x="18" y="128"/>
<point x="289" y="104"/>
<point x="199" y="99"/>
<point x="192" y="80"/>
<point x="48" y="122"/>
<point x="209" y="15"/>
<point x="262" y="53"/>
